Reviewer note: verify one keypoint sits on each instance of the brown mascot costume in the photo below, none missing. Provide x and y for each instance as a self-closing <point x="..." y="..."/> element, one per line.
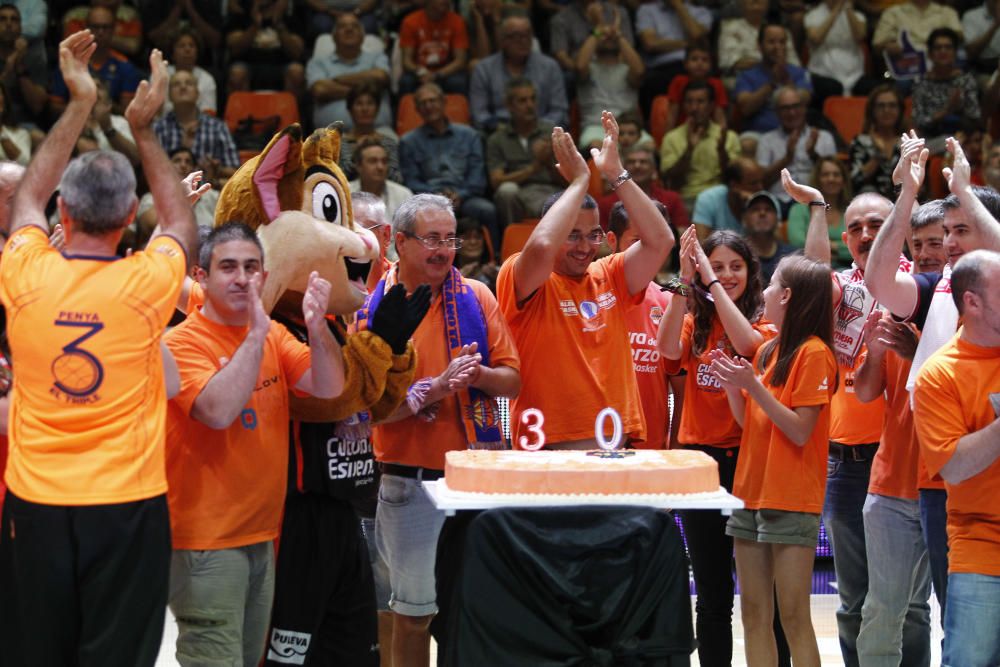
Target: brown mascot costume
<point x="297" y="198"/>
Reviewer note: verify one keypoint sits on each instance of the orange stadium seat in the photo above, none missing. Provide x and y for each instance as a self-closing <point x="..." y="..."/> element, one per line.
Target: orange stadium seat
<point x="515" y="236"/>
<point x="456" y="108"/>
<point x="658" y="118"/>
<point x="242" y="104"/>
<point x="847" y="115"/>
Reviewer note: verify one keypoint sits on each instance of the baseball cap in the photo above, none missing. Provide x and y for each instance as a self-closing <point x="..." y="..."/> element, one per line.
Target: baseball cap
<point x="763" y="194"/>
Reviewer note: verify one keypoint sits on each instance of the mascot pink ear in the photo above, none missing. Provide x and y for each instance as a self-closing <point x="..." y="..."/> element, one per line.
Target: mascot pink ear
<point x="269" y="172"/>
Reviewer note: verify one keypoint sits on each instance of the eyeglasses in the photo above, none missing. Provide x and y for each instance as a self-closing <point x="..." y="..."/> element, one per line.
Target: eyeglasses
<point x="433" y="243"/>
<point x="593" y="238"/>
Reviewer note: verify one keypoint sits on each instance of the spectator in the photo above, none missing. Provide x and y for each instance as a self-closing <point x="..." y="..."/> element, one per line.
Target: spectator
<point x="875" y="152"/>
<point x="107" y="131"/>
<point x="519" y="158"/>
<point x="204" y="19"/>
<point x="445" y="158"/>
<point x="185" y="47"/>
<point x="665" y="29"/>
<point x="363" y="104"/>
<point x="836" y="33"/>
<point x="739" y="40"/>
<point x="106" y="64"/>
<point x="694" y="155"/>
<point x="572" y="25"/>
<point x="476" y="258"/>
<point x="484" y="29"/>
<point x="22" y="72"/>
<point x="697" y="67"/>
<point x="760" y="226"/>
<point x="15" y="142"/>
<point x="331" y="77"/>
<point x="34" y="19"/>
<point x="185" y="166"/>
<point x="265" y="51"/>
<point x="632" y="132"/>
<point x="608" y="73"/>
<point x="793" y="145"/>
<point x="323" y="14"/>
<point x="371" y="162"/>
<point x="915" y="18"/>
<point x="640" y="162"/>
<point x="206" y="136"/>
<point x="435" y="46"/>
<point x="488" y="89"/>
<point x="947" y="96"/>
<point x="982" y="41"/>
<point x="756" y="85"/>
<point x="829" y="176"/>
<point x="721" y="206"/>
<point x="126" y="36"/>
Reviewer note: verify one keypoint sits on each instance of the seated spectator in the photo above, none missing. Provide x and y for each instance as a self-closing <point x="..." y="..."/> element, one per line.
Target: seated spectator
<point x="694" y="155"/>
<point x="106" y="64"/>
<point x="793" y="145"/>
<point x="519" y="158"/>
<point x="203" y="18"/>
<point x="665" y="29"/>
<point x="265" y="50"/>
<point x="836" y="33"/>
<point x="608" y="73"/>
<point x="721" y="206"/>
<point x="363" y="104"/>
<point x="126" y="35"/>
<point x="875" y="152"/>
<point x="323" y="14"/>
<point x="107" y="131"/>
<point x="445" y="158"/>
<point x="371" y="162"/>
<point x="915" y="18"/>
<point x="829" y="176"/>
<point x="15" y="142"/>
<point x="207" y="136"/>
<point x="488" y="87"/>
<point x="23" y="70"/>
<point x="982" y="39"/>
<point x="947" y="96"/>
<point x="475" y="258"/>
<point x="631" y="132"/>
<point x="203" y="207"/>
<point x="435" y="46"/>
<point x="697" y="67"/>
<point x="739" y="40"/>
<point x="484" y="29"/>
<point x="184" y="49"/>
<point x="34" y="19"/>
<point x="578" y="20"/>
<point x="760" y="227"/>
<point x="640" y="162"/>
<point x="331" y="77"/>
<point x="755" y="85"/>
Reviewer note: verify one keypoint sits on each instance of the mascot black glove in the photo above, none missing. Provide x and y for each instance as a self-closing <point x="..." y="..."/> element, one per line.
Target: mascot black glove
<point x="397" y="316"/>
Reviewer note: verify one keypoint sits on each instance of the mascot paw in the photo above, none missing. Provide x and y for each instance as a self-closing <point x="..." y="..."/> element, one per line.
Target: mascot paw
<point x="398" y="316"/>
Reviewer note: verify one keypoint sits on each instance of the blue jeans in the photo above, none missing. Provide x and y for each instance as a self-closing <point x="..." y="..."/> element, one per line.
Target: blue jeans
<point x="971" y="635"/>
<point x="933" y="521"/>
<point x="896" y="617"/>
<point x="846" y="491"/>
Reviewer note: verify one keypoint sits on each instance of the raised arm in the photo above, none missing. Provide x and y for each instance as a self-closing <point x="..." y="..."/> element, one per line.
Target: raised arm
<point x="818" y="234"/>
<point x="47" y="166"/>
<point x="668" y="334"/>
<point x="173" y="209"/>
<point x="959" y="182"/>
<point x="325" y="377"/>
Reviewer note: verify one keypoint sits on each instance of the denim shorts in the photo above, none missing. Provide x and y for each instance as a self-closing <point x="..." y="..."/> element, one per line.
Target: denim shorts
<point x="774" y="526"/>
<point x="406" y="534"/>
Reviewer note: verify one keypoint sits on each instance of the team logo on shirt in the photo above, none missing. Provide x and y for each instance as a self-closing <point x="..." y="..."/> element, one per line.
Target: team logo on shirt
<point x="588" y="309"/>
<point x="656" y="314"/>
<point x="77" y="374"/>
<point x="851" y="305"/>
<point x="287" y="647"/>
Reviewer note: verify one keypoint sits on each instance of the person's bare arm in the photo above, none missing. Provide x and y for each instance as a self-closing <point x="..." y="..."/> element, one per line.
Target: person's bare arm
<point x="583" y="57"/>
<point x="974" y="453"/>
<point x="325" y="377"/>
<point x="817" y="235"/>
<point x="752" y="102"/>
<point x="328" y="90"/>
<point x="692" y="29"/>
<point x="44" y="171"/>
<point x="631" y="57"/>
<point x="171" y="376"/>
<point x="668" y="334"/>
<point x="375" y="76"/>
<point x="959" y="177"/>
<point x="459" y="59"/>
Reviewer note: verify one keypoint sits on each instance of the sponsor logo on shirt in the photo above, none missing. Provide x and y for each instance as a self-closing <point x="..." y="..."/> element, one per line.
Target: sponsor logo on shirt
<point x="288" y="647"/>
<point x="568" y="308"/>
<point x="824" y="385"/>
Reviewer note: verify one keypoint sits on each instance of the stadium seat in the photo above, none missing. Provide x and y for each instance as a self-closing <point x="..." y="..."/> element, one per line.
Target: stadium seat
<point x="847" y="115"/>
<point x="515" y="236"/>
<point x="242" y="104"/>
<point x="456" y="108"/>
<point x="658" y="118"/>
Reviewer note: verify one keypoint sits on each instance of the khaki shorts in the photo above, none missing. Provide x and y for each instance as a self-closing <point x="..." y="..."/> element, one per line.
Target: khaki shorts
<point x="774" y="526"/>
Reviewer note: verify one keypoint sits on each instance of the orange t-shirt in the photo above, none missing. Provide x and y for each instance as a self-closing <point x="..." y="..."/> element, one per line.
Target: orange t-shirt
<point x="88" y="408"/>
<point x="571" y="334"/>
<point x="953" y="397"/>
<point x="706" y="418"/>
<point x="415" y="442"/>
<point x="851" y="421"/>
<point x="434" y="42"/>
<point x="894" y="469"/>
<point x="227" y="487"/>
<point x="773" y="472"/>
<point x="642" y="322"/>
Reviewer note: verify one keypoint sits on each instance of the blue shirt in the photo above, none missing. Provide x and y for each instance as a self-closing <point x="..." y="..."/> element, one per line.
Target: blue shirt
<point x="751" y="80"/>
<point x="452" y="160"/>
<point x="120" y="75"/>
<point x="331" y="66"/>
<point x="488" y="88"/>
<point x="711" y="208"/>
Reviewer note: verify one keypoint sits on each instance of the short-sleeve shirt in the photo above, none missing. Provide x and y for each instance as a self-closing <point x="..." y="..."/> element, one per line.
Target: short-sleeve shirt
<point x="88" y="409"/>
<point x="116" y="71"/>
<point x="643" y="322"/>
<point x="675" y="93"/>
<point x="895" y="466"/>
<point x="419" y="443"/>
<point x="773" y="145"/>
<point x="953" y="398"/>
<point x="773" y="472"/>
<point x="704" y="168"/>
<point x="752" y="79"/>
<point x="227" y="487"/>
<point x="331" y="66"/>
<point x="434" y="42"/>
<point x="917" y="23"/>
<point x="711" y="208"/>
<point x="572" y="336"/>
<point x="663" y="21"/>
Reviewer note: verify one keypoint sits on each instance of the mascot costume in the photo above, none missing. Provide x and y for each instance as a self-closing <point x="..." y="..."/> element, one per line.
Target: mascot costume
<point x="297" y="198"/>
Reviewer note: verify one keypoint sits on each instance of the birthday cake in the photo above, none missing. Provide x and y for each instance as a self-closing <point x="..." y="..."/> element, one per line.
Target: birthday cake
<point x="633" y="471"/>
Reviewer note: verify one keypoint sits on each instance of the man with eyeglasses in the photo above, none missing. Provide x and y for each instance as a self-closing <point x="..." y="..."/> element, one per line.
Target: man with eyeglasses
<point x="567" y="312"/>
<point x="465" y="358"/>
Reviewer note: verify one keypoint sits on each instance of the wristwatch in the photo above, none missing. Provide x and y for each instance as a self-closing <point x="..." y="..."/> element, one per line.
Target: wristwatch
<point x="622" y="177"/>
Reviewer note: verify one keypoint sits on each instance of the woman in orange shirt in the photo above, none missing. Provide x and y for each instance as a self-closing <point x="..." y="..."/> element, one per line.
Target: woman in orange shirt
<point x="726" y="314"/>
<point x="782" y="401"/>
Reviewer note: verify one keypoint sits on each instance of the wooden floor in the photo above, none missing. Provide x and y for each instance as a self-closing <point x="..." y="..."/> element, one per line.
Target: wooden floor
<point x="824" y="620"/>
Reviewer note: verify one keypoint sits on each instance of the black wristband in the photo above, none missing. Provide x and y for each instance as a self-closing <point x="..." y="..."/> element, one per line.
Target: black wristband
<point x="708" y="287"/>
<point x="820" y="203"/>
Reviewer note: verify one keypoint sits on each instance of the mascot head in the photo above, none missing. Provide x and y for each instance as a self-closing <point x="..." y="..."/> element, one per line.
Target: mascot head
<point x="297" y="198"/>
